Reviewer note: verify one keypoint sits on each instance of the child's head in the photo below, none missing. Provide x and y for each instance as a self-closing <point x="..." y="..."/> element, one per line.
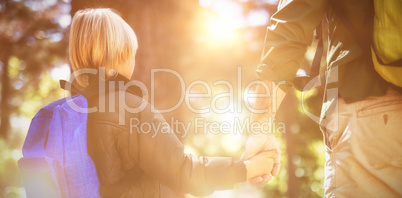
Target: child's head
<point x="101" y="38"/>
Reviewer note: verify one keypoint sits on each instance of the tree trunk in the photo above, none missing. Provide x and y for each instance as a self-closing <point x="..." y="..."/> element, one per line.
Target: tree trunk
<point x="5" y="93"/>
<point x="292" y="179"/>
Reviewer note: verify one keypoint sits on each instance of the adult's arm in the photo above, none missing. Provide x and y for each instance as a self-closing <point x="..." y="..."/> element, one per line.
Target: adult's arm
<point x="286" y="41"/>
<point x="288" y="35"/>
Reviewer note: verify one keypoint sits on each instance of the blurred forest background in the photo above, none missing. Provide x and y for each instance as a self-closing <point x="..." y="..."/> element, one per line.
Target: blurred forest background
<point x="207" y="40"/>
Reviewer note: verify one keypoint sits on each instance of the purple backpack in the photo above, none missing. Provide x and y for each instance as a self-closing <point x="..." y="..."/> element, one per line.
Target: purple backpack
<point x="55" y="160"/>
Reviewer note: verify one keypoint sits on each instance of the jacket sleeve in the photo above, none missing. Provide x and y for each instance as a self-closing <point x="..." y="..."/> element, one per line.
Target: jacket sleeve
<point x="161" y="155"/>
<point x="290" y="32"/>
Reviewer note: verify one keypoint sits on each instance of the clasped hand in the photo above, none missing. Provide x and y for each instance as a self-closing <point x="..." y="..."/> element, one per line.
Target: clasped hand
<point x="262" y="158"/>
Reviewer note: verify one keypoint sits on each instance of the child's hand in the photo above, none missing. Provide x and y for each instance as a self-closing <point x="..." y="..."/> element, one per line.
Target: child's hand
<point x="261" y="164"/>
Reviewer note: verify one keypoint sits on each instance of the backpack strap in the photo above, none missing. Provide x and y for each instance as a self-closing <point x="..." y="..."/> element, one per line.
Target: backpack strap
<point x="315" y="66"/>
<point x="303" y="83"/>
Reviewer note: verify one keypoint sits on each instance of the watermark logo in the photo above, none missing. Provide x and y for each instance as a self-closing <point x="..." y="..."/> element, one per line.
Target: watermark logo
<point x="240" y="99"/>
<point x="200" y="125"/>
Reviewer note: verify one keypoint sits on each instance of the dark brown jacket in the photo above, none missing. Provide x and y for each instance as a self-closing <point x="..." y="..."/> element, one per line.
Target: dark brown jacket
<point x="133" y="163"/>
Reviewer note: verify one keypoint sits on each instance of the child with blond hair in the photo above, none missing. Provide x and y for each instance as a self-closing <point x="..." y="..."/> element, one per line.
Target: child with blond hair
<point x="130" y="162"/>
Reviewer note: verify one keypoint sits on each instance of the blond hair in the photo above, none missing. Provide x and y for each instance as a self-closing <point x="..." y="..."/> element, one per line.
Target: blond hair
<point x="100" y="38"/>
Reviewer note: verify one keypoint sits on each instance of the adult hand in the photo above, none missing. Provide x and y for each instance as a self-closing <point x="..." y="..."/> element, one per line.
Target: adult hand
<point x="257" y="143"/>
<point x="259" y="140"/>
<point x="260" y="164"/>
